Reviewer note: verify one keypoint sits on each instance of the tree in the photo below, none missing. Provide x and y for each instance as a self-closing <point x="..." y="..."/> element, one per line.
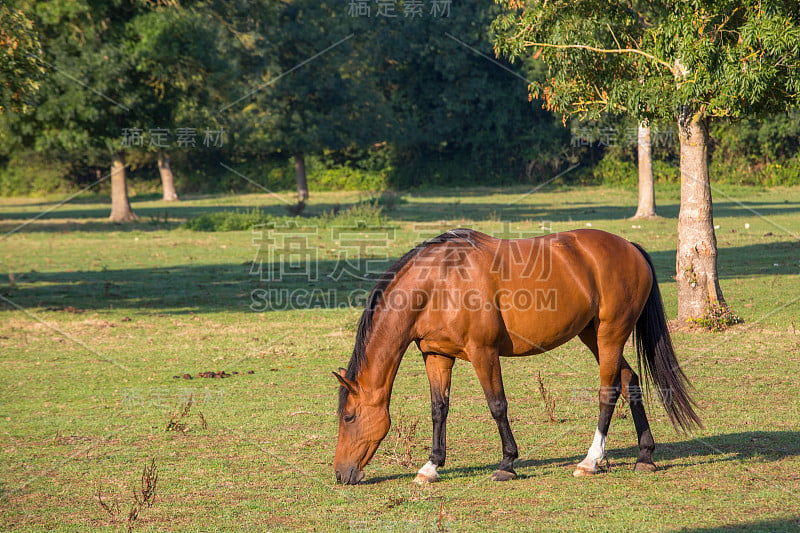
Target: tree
<point x="20" y="71"/>
<point x="689" y="61"/>
<point x="85" y="101"/>
<point x="184" y="57"/>
<point x="118" y="70"/>
<point x="450" y="100"/>
<point x="120" y="203"/>
<point x="167" y="179"/>
<point x="304" y="85"/>
<point x="646" y="207"/>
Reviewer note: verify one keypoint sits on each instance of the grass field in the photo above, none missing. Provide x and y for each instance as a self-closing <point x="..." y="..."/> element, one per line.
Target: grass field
<point x="96" y="320"/>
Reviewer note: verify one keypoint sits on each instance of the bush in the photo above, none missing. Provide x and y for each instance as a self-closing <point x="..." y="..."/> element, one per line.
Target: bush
<point x="614" y="172"/>
<point x="717" y="317"/>
<point x="786" y="173"/>
<point x="749" y="173"/>
<point x="757" y="151"/>
<point x="27" y="174"/>
<point x="367" y="213"/>
<point x="344" y="178"/>
<point x="203" y="173"/>
<point x="229" y="220"/>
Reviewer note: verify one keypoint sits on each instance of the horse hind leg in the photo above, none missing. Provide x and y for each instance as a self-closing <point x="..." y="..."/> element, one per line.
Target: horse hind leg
<point x="439" y="369"/>
<point x="609" y="392"/>
<point x="632" y="392"/>
<point x="609" y="357"/>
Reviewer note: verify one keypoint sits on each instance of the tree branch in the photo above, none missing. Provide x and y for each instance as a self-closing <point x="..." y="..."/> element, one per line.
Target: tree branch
<point x="606" y="51"/>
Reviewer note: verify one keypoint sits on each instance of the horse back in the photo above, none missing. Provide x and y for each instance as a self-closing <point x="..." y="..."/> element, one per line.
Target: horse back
<point x="527" y="296"/>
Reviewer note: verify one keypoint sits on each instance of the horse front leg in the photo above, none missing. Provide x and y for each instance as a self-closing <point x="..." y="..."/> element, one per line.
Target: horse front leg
<point x="439" y="369"/>
<point x="487" y="367"/>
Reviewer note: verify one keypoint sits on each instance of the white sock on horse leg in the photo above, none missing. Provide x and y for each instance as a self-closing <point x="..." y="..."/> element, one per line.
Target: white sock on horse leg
<point x="429" y="470"/>
<point x="596" y="452"/>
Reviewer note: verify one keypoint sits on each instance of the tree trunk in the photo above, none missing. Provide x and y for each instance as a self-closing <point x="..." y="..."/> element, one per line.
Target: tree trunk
<point x="300" y="173"/>
<point x="120" y="205"/>
<point x="696" y="261"/>
<point x="167" y="179"/>
<point x="647" y="191"/>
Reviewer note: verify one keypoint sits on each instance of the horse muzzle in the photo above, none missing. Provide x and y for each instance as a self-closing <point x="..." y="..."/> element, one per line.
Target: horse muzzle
<point x="349" y="476"/>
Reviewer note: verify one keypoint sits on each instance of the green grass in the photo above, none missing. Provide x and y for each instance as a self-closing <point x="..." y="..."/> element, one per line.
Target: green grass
<point x="109" y="314"/>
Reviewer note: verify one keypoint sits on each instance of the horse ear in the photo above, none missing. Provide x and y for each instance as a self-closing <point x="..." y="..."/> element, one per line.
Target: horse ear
<point x="348" y="384"/>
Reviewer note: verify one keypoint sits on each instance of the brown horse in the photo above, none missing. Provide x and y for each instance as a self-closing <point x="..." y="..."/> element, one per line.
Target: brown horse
<point x="466" y="295"/>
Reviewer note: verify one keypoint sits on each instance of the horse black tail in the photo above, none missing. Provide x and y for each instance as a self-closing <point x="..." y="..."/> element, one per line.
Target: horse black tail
<point x="654" y="348"/>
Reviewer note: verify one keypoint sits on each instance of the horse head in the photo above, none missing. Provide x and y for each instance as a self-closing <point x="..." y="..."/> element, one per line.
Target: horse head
<point x="363" y="423"/>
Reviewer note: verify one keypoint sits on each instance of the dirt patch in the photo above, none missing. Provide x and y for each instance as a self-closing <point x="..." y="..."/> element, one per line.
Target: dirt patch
<point x="212" y="374"/>
<point x="68" y="309"/>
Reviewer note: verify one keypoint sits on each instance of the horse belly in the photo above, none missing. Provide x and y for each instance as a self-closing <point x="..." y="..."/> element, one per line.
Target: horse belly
<point x="515" y="327"/>
<point x="544" y="322"/>
<point x="530" y="339"/>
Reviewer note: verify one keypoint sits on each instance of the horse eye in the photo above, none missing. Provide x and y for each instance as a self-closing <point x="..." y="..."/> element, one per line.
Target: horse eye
<point x="349" y="418"/>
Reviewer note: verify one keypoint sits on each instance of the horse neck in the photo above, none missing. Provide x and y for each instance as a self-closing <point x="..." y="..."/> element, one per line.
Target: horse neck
<point x="385" y="347"/>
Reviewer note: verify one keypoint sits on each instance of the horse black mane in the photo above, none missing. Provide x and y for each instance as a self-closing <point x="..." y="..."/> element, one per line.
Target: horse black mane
<point x="359" y="356"/>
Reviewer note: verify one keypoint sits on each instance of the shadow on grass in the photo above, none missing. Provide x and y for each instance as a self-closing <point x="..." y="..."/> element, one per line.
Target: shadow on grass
<point x="190" y="288"/>
<point x="530" y="209"/>
<point x="778" y="525"/>
<point x="90" y="214"/>
<point x="151" y="218"/>
<point x="266" y="286"/>
<point x="751" y="445"/>
<point x="762" y="446"/>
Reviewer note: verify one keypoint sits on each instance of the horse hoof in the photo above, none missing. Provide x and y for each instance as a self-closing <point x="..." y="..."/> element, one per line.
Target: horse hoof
<point x="582" y="471"/>
<point x="503" y="475"/>
<point x="423" y="479"/>
<point x="644" y="467"/>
